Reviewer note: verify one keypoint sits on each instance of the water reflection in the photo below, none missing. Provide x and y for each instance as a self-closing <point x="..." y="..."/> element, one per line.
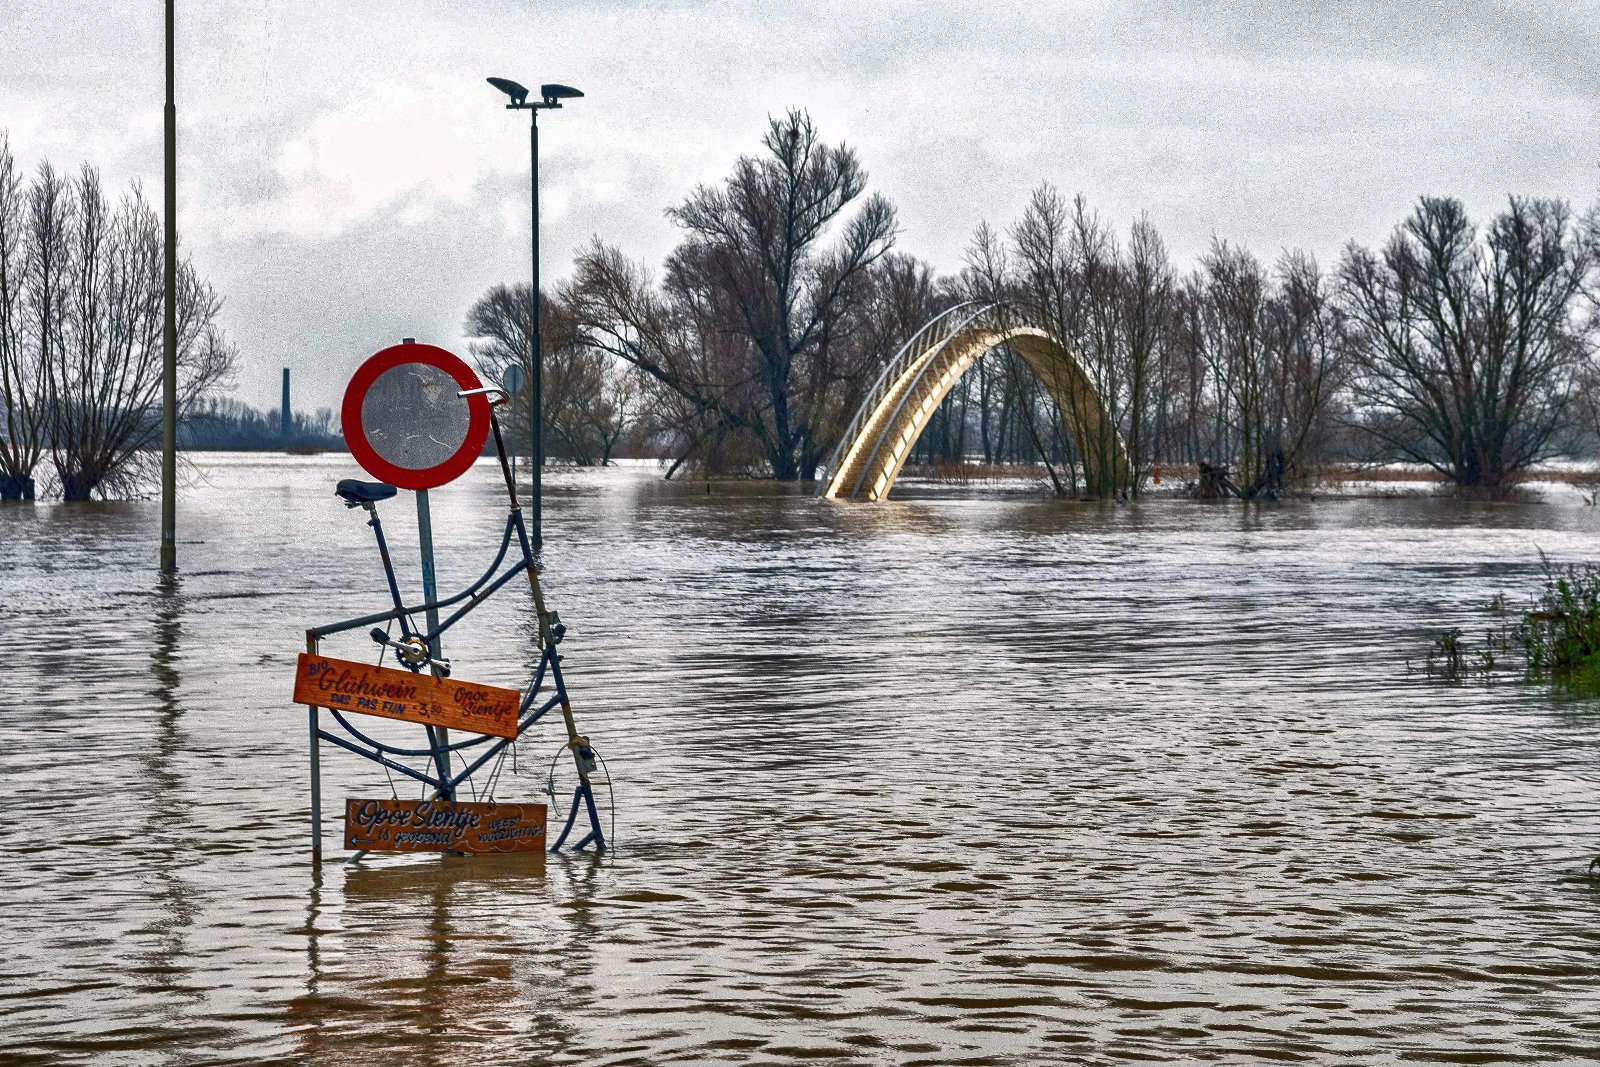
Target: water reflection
<point x="167" y="829"/>
<point x="438" y="955"/>
<point x="965" y="778"/>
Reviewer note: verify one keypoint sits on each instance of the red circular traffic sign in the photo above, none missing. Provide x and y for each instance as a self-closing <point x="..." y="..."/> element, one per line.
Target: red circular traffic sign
<point x="404" y="422"/>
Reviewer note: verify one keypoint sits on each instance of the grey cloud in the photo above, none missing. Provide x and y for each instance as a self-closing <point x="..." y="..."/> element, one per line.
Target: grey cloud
<point x="1293" y="123"/>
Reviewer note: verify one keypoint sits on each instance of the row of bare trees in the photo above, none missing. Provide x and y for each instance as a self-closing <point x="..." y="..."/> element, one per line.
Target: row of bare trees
<point x="1472" y="353"/>
<point x="227" y="424"/>
<point x="80" y="334"/>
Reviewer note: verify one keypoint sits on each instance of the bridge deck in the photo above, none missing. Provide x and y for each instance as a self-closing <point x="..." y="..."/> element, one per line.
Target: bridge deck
<point x="873" y="460"/>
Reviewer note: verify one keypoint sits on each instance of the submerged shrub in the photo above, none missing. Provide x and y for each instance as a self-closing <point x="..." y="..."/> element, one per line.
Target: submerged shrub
<point x="1447" y="658"/>
<point x="1560" y="636"/>
<point x="1453" y="659"/>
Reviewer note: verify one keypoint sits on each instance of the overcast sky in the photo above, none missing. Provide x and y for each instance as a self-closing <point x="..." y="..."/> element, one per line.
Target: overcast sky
<point x="346" y="177"/>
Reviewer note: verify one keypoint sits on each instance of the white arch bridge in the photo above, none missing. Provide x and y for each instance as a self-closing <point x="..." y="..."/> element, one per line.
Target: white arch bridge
<point x="919" y="377"/>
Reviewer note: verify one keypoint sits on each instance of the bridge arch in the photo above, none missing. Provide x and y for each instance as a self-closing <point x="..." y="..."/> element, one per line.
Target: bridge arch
<point x="900" y="404"/>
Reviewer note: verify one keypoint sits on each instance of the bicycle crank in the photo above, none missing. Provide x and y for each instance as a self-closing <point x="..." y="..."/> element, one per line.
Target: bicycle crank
<point x="412" y="651"/>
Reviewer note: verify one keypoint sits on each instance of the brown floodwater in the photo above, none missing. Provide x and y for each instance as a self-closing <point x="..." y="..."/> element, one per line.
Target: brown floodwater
<point x="966" y="778"/>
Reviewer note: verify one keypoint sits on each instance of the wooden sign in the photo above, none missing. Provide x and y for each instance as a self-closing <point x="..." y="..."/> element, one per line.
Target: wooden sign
<point x="440" y="826"/>
<point x="395" y="694"/>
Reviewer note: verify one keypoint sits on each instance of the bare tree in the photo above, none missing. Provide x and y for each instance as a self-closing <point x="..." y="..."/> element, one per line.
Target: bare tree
<point x="80" y="334"/>
<point x="1110" y="307"/>
<point x="1044" y="294"/>
<point x="898" y="294"/>
<point x="500" y="335"/>
<point x="1465" y="350"/>
<point x="1309" y="367"/>
<point x="751" y="322"/>
<point x="986" y="278"/>
<point x="1188" y="413"/>
<point x="22" y="393"/>
<point x="98" y="296"/>
<point x="617" y="412"/>
<point x="1234" y="321"/>
<point x="700" y="389"/>
<point x="1585" y="437"/>
<point x="1146" y="293"/>
<point x="1264" y="360"/>
<point x="586" y="399"/>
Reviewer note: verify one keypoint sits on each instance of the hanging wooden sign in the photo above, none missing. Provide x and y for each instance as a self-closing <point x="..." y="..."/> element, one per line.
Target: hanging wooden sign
<point x="343" y="685"/>
<point x="442" y="826"/>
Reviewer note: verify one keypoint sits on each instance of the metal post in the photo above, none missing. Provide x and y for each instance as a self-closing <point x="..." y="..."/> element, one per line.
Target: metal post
<point x="535" y="381"/>
<point x="316" y="770"/>
<point x="169" y="325"/>
<point x="287" y="422"/>
<point x="438" y="737"/>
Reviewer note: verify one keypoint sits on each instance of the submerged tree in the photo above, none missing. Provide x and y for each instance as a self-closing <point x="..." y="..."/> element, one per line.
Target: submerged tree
<point x="1110" y="305"/>
<point x="1269" y="343"/>
<point x="81" y="334"/>
<point x="22" y="363"/>
<point x="752" y="326"/>
<point x="1147" y="293"/>
<point x="588" y="402"/>
<point x="103" y="376"/>
<point x="987" y="279"/>
<point x="1231" y="292"/>
<point x="1309" y="369"/>
<point x="1068" y="279"/>
<point x="1466" y="350"/>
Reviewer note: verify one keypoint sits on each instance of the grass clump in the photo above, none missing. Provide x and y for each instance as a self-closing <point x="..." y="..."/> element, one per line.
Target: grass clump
<point x="1560" y="636"/>
<point x="1557" y="638"/>
<point x="1453" y="658"/>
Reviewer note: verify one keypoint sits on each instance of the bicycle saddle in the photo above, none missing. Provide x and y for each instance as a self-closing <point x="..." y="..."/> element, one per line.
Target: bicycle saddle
<point x="354" y="493"/>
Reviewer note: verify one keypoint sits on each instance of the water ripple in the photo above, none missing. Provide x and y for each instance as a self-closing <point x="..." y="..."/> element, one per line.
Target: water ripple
<point x="951" y="780"/>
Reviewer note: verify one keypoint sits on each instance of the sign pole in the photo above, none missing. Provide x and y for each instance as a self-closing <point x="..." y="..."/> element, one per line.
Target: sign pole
<point x="437" y="735"/>
<point x="316" y="770"/>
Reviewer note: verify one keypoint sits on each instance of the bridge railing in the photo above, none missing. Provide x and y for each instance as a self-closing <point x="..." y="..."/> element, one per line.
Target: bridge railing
<point x="908" y="354"/>
<point x="932" y="352"/>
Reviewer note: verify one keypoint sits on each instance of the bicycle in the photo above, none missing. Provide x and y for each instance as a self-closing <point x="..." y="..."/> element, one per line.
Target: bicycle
<point x="417" y="649"/>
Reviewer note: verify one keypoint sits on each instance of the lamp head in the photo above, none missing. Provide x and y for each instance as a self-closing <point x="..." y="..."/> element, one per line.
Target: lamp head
<point x="553" y="94"/>
<point x="517" y="93"/>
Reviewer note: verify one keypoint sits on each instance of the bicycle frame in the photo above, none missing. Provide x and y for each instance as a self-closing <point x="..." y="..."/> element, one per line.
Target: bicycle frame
<point x="550" y="632"/>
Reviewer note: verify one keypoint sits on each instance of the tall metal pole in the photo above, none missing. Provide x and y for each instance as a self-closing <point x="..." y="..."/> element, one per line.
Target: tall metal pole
<point x="553" y="94"/>
<point x="169" y="328"/>
<point x="535" y="378"/>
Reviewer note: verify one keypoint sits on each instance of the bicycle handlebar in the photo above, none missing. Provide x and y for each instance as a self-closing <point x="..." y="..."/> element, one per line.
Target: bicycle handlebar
<point x="500" y="395"/>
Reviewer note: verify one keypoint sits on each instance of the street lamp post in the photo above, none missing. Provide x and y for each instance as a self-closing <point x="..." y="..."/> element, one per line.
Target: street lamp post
<point x="169" y="318"/>
<point x="551" y="96"/>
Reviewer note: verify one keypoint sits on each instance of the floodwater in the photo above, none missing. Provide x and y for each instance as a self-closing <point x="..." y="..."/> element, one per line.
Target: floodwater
<point x="959" y="779"/>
